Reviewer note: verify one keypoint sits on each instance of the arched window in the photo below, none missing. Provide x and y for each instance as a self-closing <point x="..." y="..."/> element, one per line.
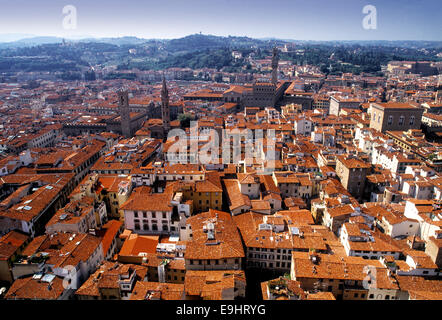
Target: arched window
<point x="390" y="120"/>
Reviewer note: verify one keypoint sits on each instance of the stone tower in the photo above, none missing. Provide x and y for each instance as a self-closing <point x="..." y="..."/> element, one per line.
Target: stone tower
<point x="124" y="110"/>
<point x="275" y="60"/>
<point x="439" y="90"/>
<point x="165" y="111"/>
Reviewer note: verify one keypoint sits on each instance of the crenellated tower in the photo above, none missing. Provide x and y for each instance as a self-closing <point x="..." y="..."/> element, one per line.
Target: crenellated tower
<point x="275" y="61"/>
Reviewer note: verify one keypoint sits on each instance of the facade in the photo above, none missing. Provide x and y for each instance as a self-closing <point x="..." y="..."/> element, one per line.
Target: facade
<point x="150" y="213"/>
<point x="395" y="116"/>
<point x="338" y="102"/>
<point x="352" y="172"/>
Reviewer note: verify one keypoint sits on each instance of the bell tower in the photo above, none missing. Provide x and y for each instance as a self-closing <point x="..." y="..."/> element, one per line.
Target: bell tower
<point x="275" y="61"/>
<point x="165" y="110"/>
<point x="124" y="110"/>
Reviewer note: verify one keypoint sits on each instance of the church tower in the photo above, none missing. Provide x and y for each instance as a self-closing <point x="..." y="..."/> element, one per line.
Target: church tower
<point x="124" y="110"/>
<point x="275" y="60"/>
<point x="165" y="111"/>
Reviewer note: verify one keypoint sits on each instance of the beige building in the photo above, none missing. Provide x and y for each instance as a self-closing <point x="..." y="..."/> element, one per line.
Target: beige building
<point x="338" y="102"/>
<point x="433" y="249"/>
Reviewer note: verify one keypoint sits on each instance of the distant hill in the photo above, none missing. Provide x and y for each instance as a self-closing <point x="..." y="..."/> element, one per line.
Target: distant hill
<point x="11" y="37"/>
<point x="198" y="51"/>
<point x="193" y="42"/>
<point x="203" y="42"/>
<point x="116" y="41"/>
<point x="196" y="42"/>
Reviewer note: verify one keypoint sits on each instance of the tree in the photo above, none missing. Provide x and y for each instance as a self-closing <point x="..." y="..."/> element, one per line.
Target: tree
<point x="185" y="119"/>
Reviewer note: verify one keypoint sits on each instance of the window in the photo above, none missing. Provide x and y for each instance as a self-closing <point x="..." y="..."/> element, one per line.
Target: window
<point x="411" y="120"/>
<point x="390" y="120"/>
<point x="401" y="120"/>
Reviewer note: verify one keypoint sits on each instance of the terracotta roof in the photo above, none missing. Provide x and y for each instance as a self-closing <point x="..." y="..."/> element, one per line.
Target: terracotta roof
<point x="211" y="284"/>
<point x="33" y="289"/>
<point x="137" y="243"/>
<point x="155" y="290"/>
<point x="10" y="243"/>
<point x="226" y="244"/>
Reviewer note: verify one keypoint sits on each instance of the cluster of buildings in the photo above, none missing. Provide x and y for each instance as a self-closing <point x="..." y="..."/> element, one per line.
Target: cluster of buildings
<point x="93" y="208"/>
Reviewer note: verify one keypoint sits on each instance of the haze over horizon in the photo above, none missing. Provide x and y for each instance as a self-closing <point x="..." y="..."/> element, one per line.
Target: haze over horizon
<point x="317" y="20"/>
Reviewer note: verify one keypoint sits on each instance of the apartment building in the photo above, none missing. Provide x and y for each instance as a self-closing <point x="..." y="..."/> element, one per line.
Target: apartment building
<point x="352" y="172"/>
<point x="213" y="242"/>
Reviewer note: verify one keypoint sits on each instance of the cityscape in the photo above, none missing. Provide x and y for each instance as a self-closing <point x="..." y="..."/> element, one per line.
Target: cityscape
<point x="214" y="165"/>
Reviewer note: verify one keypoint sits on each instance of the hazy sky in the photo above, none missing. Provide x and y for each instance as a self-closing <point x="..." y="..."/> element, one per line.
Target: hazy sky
<point x="286" y="19"/>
